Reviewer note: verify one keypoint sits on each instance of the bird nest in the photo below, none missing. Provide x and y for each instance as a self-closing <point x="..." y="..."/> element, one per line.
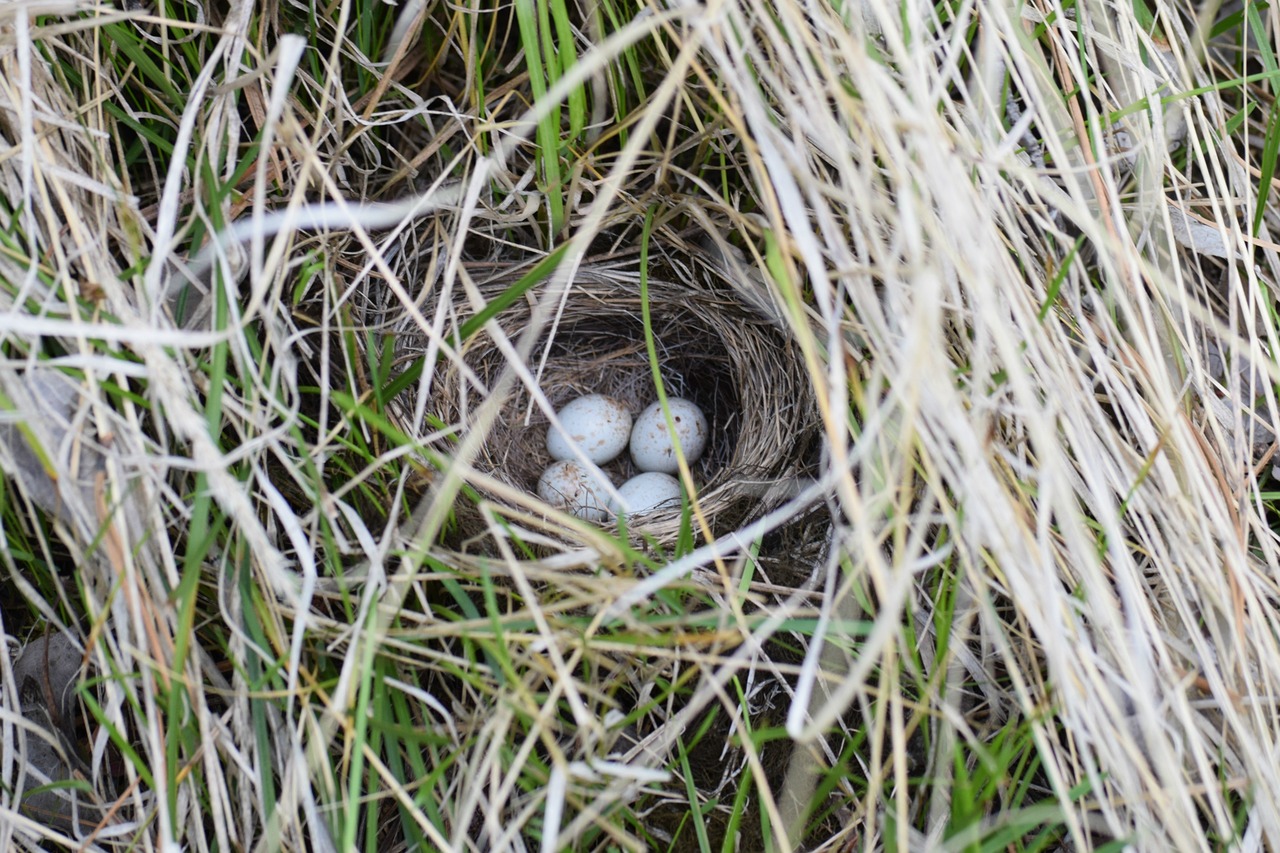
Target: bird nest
<point x="740" y="366"/>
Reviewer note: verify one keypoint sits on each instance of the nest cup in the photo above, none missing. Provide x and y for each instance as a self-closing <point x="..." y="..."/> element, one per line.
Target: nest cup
<point x="740" y="367"/>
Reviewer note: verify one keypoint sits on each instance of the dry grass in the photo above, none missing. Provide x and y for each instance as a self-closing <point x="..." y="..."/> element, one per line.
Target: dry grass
<point x="1018" y="591"/>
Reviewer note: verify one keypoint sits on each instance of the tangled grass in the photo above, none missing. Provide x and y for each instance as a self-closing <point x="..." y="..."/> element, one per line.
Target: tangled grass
<point x="1021" y="594"/>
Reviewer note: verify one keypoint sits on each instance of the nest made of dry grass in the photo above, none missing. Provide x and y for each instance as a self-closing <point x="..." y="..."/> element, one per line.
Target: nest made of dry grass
<point x="741" y="367"/>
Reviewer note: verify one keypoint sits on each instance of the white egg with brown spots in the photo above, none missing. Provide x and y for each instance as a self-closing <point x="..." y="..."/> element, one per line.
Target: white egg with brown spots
<point x="653" y="447"/>
<point x="569" y="486"/>
<point x="597" y="425"/>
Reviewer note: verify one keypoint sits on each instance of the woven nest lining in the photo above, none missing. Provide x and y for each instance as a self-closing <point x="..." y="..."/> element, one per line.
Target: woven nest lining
<point x="740" y="368"/>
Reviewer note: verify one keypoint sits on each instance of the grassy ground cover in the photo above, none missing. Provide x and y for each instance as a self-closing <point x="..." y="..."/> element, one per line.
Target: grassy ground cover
<point x="987" y="290"/>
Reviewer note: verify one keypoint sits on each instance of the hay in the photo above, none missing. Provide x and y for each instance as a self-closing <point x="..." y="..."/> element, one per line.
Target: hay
<point x="738" y="365"/>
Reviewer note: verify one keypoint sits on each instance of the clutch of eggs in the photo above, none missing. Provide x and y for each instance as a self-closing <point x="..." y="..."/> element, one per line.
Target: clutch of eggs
<point x="601" y="428"/>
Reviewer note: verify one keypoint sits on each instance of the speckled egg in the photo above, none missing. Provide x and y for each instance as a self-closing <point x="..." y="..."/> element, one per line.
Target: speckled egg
<point x="647" y="491"/>
<point x="598" y="425"/>
<point x="652" y="448"/>
<point x="570" y="486"/>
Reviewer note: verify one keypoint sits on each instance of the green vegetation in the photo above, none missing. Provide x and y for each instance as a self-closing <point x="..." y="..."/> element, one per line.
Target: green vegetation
<point x="289" y="290"/>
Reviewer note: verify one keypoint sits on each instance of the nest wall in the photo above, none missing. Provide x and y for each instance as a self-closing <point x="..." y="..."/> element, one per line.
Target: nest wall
<point x="743" y="369"/>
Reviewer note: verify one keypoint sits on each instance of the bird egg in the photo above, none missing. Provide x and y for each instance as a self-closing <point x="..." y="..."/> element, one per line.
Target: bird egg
<point x="569" y="486"/>
<point x="598" y="425"/>
<point x="652" y="445"/>
<point x="644" y="492"/>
